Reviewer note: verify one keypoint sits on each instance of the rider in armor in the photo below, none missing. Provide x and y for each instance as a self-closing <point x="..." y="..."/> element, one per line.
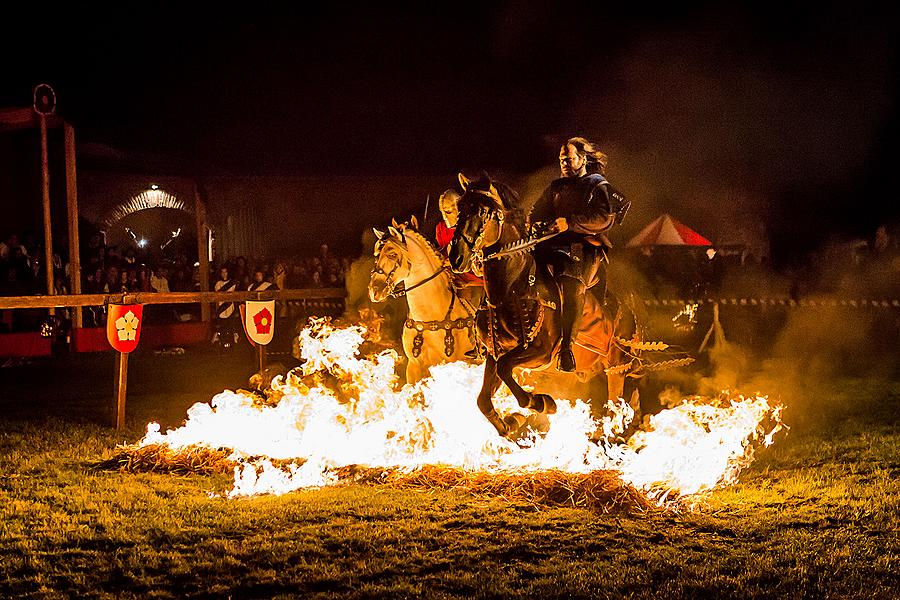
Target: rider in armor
<point x="582" y="206"/>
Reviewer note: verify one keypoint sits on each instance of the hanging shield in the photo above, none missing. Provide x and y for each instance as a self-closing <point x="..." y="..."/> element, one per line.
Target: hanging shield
<point x="259" y="320"/>
<point x="123" y="326"/>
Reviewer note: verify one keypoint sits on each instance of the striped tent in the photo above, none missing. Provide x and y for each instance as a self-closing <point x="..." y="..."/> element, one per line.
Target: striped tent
<point x="666" y="231"/>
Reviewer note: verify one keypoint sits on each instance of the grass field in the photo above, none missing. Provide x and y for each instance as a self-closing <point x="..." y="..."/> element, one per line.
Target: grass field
<point x="816" y="516"/>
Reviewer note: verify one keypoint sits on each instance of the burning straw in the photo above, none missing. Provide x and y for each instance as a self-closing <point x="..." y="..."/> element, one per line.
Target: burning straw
<point x="601" y="491"/>
<point x="160" y="458"/>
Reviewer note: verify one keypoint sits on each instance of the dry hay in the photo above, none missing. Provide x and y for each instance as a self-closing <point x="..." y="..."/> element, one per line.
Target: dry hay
<point x="160" y="458"/>
<point x="597" y="491"/>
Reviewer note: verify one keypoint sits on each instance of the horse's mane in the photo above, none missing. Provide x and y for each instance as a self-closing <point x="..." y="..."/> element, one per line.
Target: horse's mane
<point x="512" y="201"/>
<point x="515" y="207"/>
<point x="437" y="254"/>
<point x="405" y="230"/>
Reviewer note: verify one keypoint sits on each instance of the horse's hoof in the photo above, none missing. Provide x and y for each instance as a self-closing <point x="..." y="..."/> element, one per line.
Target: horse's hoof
<point x="567" y="361"/>
<point x="549" y="405"/>
<point x="543" y="403"/>
<point x="498" y="423"/>
<point x="514" y="422"/>
<point x="519" y="432"/>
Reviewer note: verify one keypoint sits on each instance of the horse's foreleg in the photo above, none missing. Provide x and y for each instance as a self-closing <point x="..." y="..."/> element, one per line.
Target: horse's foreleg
<point x="626" y="388"/>
<point x="413" y="372"/>
<point x="615" y="386"/>
<point x="632" y="395"/>
<point x="542" y="403"/>
<point x="489" y="386"/>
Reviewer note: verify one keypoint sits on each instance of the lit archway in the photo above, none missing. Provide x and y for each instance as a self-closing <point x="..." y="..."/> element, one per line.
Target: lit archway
<point x="154" y="223"/>
<point x="153" y="197"/>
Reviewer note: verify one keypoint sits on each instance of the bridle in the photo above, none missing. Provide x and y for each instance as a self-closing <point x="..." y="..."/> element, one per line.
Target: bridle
<point x="399" y="289"/>
<point x="475" y="246"/>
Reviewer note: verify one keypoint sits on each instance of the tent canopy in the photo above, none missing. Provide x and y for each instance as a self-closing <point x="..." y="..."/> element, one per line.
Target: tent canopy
<point x="666" y="231"/>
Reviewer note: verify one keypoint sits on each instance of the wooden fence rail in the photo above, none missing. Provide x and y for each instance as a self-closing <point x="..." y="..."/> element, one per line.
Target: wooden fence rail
<point x="12" y="302"/>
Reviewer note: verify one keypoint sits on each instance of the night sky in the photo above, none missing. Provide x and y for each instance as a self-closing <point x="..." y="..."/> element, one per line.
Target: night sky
<point x="788" y="112"/>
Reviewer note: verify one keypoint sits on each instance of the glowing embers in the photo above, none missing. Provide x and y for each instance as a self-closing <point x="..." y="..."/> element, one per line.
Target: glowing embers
<point x="341" y="409"/>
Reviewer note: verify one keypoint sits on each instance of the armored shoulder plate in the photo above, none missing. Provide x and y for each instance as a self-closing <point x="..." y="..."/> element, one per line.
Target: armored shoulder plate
<point x="617" y="203"/>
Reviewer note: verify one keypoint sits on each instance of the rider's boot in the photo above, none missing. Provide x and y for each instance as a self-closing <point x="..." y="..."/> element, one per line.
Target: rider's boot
<point x="572" y="305"/>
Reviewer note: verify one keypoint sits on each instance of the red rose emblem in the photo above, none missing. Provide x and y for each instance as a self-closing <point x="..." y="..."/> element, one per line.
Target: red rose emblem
<point x="263" y="321"/>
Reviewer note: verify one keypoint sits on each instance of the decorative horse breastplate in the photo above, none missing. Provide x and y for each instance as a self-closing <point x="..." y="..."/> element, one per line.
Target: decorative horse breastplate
<point x="447" y="325"/>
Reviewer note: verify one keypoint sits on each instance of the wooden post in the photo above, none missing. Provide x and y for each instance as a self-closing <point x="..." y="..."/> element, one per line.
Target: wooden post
<point x="45" y="194"/>
<point x="121" y="385"/>
<point x="72" y="203"/>
<point x="261" y="352"/>
<point x="716" y="331"/>
<point x="202" y="250"/>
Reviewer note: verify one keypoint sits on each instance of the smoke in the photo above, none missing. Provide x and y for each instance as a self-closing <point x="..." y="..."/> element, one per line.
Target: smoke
<point x="357" y="279"/>
<point x="719" y="129"/>
<point x="803" y="355"/>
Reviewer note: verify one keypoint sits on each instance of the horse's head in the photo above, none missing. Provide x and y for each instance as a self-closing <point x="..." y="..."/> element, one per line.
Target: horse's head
<point x="481" y="216"/>
<point x="392" y="264"/>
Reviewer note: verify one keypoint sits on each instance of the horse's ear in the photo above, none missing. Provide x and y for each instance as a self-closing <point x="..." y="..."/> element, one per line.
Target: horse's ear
<point x="378" y="234"/>
<point x="393" y="231"/>
<point x="464" y="181"/>
<point x="414" y="222"/>
<point x="394" y="223"/>
<point x="495" y="193"/>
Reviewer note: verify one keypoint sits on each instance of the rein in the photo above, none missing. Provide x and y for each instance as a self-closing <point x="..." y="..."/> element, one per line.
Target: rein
<point x="513" y="248"/>
<point x="399" y="292"/>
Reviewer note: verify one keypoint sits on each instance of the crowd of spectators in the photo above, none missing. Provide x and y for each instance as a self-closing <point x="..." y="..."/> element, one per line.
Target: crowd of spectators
<point x="321" y="271"/>
<point x="21" y="271"/>
<point x="109" y="269"/>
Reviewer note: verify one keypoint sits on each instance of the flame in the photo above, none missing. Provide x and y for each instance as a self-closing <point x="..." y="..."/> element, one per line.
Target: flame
<point x="364" y="417"/>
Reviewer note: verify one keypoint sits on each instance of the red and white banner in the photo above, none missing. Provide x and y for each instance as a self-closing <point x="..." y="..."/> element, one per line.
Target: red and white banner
<point x="123" y="326"/>
<point x="258" y="317"/>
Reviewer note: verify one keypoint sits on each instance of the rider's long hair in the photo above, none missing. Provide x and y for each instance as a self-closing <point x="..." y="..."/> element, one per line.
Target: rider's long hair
<point x="596" y="160"/>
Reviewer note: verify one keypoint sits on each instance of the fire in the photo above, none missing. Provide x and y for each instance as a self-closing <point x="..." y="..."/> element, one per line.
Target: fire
<point x="364" y="417"/>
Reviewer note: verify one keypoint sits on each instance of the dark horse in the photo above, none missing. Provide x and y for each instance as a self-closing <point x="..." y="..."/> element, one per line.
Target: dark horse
<point x="519" y="322"/>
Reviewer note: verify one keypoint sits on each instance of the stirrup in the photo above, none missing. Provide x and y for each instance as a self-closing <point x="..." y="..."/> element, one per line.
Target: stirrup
<point x="566" y="361"/>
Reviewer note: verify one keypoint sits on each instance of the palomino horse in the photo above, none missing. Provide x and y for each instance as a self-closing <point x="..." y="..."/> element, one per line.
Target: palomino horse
<point x="519" y="324"/>
<point x="439" y="328"/>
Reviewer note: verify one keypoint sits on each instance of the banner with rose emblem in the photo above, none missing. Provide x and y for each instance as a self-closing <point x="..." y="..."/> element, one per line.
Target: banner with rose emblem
<point x="259" y="320"/>
<point x="123" y="326"/>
